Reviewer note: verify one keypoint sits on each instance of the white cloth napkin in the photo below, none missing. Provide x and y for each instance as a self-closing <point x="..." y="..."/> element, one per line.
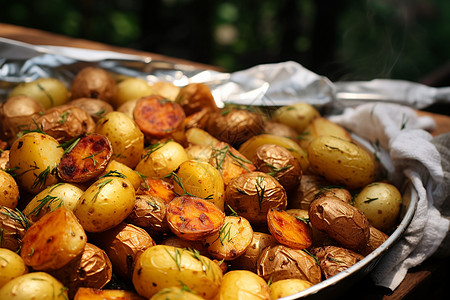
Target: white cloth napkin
<point x="411" y="155"/>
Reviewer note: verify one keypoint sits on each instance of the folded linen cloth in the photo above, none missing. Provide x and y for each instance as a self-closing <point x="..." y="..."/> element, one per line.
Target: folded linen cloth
<point x="406" y="149"/>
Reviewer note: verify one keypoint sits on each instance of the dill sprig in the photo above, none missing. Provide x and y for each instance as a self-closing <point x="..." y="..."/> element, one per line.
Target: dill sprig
<point x="260" y="189"/>
<point x="312" y="255"/>
<point x="178" y="180"/>
<point x="113" y="173"/>
<point x="100" y="186"/>
<point x="275" y="171"/>
<point x="152" y="148"/>
<point x="17" y="215"/>
<point x="370" y="199"/>
<point x="47" y="200"/>
<point x="233" y="212"/>
<point x="64" y="116"/>
<point x="40" y="180"/>
<point x="52" y="102"/>
<point x="176" y="256"/>
<point x="92" y="156"/>
<point x="225" y="233"/>
<point x="69" y="145"/>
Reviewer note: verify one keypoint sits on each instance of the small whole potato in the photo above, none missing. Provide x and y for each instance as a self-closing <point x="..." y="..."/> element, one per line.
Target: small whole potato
<point x="174" y="292"/>
<point x="132" y="88"/>
<point x="10" y="190"/>
<point x="94" y="82"/>
<point x="149" y="213"/>
<point x="96" y="108"/>
<point x="286" y="287"/>
<point x="334" y="260"/>
<point x="381" y="203"/>
<point x="296" y="116"/>
<point x="243" y="285"/>
<point x="341" y="162"/>
<point x="13" y="225"/>
<point x="11" y="266"/>
<point x="195" y="97"/>
<point x="49" y="92"/>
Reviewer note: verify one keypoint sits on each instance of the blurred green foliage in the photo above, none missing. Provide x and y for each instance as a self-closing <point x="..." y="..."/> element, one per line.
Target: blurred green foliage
<point x="344" y="40"/>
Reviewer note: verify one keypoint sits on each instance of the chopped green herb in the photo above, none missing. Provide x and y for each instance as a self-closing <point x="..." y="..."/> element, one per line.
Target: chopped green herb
<point x="100" y="186"/>
<point x="176" y="256"/>
<point x="64" y="116"/>
<point x="69" y="145"/>
<point x="52" y="103"/>
<point x="370" y="200"/>
<point x="260" y="189"/>
<point x="233" y="212"/>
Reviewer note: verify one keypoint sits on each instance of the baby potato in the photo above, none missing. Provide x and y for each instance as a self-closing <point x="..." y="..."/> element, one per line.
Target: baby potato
<point x="84" y="293"/>
<point x="11" y="266"/>
<point x="200" y="179"/>
<point x="322" y="127"/>
<point x="127" y="108"/>
<point x="130" y="89"/>
<point x="193" y="218"/>
<point x="287" y="287"/>
<point x="86" y="159"/>
<point x="35" y="285"/>
<point x="93" y="82"/>
<point x="243" y="285"/>
<point x="248" y="148"/>
<point x="166" y="89"/>
<point x="195" y="97"/>
<point x="279" y="129"/>
<point x="161" y="159"/>
<point x="125" y="136"/>
<point x="178" y="242"/>
<point x="199" y="152"/>
<point x="34" y="158"/>
<point x="164" y="266"/>
<point x="341" y="221"/>
<point x="173" y="293"/>
<point x="53" y="241"/>
<point x="51" y="198"/>
<point x="334" y="260"/>
<point x="381" y="203"/>
<point x="197" y="136"/>
<point x="310" y="186"/>
<point x="49" y="92"/>
<point x="10" y="190"/>
<point x="149" y="213"/>
<point x="297" y="116"/>
<point x="96" y="108"/>
<point x="376" y="239"/>
<point x="161" y="188"/>
<point x="13" y="225"/>
<point x="231" y="240"/>
<point x="341" y="162"/>
<point x="129" y="173"/>
<point x="105" y="204"/>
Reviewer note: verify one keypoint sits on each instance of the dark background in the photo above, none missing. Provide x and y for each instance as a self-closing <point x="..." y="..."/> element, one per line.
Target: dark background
<point x="343" y="40"/>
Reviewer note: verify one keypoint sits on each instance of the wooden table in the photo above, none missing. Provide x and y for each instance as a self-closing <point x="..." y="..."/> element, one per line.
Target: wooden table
<point x="428" y="280"/>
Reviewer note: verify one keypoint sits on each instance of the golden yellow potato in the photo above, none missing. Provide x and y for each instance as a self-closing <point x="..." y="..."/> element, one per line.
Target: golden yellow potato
<point x="287" y="287"/>
<point x="319" y="127"/>
<point x="296" y="116"/>
<point x="125" y="136"/>
<point x="243" y="285"/>
<point x="174" y="293"/>
<point x="11" y="266"/>
<point x="131" y="89"/>
<point x="200" y="179"/>
<point x="341" y="162"/>
<point x="49" y="92"/>
<point x="165" y="266"/>
<point x="381" y="203"/>
<point x="130" y="174"/>
<point x="161" y="159"/>
<point x="9" y="190"/>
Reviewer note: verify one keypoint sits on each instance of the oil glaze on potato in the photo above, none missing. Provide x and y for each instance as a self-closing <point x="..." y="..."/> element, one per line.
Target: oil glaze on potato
<point x="11" y="266"/>
<point x="341" y="162"/>
<point x="243" y="285"/>
<point x="10" y="190"/>
<point x="287" y="287"/>
<point x="164" y="266"/>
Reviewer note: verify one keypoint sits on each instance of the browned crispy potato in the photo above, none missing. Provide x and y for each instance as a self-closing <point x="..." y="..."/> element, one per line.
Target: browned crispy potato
<point x="96" y="108"/>
<point x="53" y="241"/>
<point x="248" y="260"/>
<point x="279" y="129"/>
<point x="93" y="82"/>
<point x="181" y="243"/>
<point x="16" y="113"/>
<point x="229" y="162"/>
<point x="158" y="117"/>
<point x="288" y="230"/>
<point x="253" y="194"/>
<point x="341" y="221"/>
<point x="310" y="186"/>
<point x="338" y="192"/>
<point x="91" y="269"/>
<point x="10" y="190"/>
<point x="158" y="187"/>
<point x="129" y="173"/>
<point x="278" y="162"/>
<point x="195" y="97"/>
<point x="149" y="213"/>
<point x="166" y="89"/>
<point x="281" y="262"/>
<point x="194" y="218"/>
<point x="13" y="225"/>
<point x="197" y="120"/>
<point x="86" y="159"/>
<point x="84" y="293"/>
<point x="123" y="244"/>
<point x="334" y="259"/>
<point x="197" y="136"/>
<point x="234" y="126"/>
<point x="376" y="238"/>
<point x="199" y="152"/>
<point x="231" y="240"/>
<point x="64" y="122"/>
<point x="4" y="159"/>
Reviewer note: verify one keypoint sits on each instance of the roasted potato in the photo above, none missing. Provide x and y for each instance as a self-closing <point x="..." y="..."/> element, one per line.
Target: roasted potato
<point x="91" y="269"/>
<point x="380" y="202"/>
<point x="279" y="129"/>
<point x="11" y="266"/>
<point x="13" y="225"/>
<point x="199" y="152"/>
<point x="10" y="190"/>
<point x="243" y="285"/>
<point x="164" y="266"/>
<point x="84" y="293"/>
<point x="253" y="194"/>
<point x="16" y="114"/>
<point x="310" y="186"/>
<point x="125" y="136"/>
<point x="322" y="127"/>
<point x="86" y="159"/>
<point x="286" y="287"/>
<point x="33" y="158"/>
<point x="231" y="240"/>
<point x="149" y="213"/>
<point x="132" y="88"/>
<point x="96" y="108"/>
<point x="53" y="241"/>
<point x="278" y="162"/>
<point x="376" y="239"/>
<point x="193" y="218"/>
<point x="166" y="89"/>
<point x="49" y="92"/>
<point x="199" y="136"/>
<point x="178" y="242"/>
<point x="341" y="221"/>
<point x="129" y="173"/>
<point x="341" y="162"/>
<point x="334" y="260"/>
<point x="175" y="292"/>
<point x="281" y="262"/>
<point x="64" y="122"/>
<point x="105" y="204"/>
<point x="35" y="285"/>
<point x="162" y="188"/>
<point x="94" y="82"/>
<point x="195" y="97"/>
<point x="297" y="116"/>
<point x="200" y="179"/>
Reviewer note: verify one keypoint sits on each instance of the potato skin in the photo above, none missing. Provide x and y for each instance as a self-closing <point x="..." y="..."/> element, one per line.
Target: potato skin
<point x="164" y="266"/>
<point x="341" y="162"/>
<point x="10" y="190"/>
<point x="96" y="108"/>
<point x="243" y="285"/>
<point x="93" y="82"/>
<point x="334" y="260"/>
<point x="11" y="266"/>
<point x="296" y="116"/>
<point x="287" y="287"/>
<point x="341" y="221"/>
<point x="13" y="225"/>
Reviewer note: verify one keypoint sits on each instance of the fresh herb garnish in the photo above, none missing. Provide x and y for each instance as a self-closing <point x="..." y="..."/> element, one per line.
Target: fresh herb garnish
<point x="260" y="189"/>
